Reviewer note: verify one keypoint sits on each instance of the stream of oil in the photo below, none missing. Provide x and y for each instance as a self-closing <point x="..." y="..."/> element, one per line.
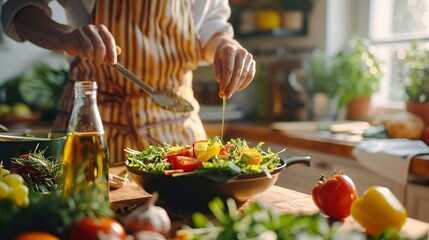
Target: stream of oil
<point x="223" y="118"/>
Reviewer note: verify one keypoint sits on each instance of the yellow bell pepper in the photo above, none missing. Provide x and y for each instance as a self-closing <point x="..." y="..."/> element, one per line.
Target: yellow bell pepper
<point x="378" y="209"/>
<point x="204" y="151"/>
<point x="253" y="155"/>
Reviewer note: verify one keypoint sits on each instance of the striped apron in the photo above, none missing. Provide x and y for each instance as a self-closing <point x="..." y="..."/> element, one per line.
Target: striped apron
<point x="160" y="45"/>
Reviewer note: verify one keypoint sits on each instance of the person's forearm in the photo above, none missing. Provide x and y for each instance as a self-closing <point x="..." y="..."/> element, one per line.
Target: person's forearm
<point x="33" y="25"/>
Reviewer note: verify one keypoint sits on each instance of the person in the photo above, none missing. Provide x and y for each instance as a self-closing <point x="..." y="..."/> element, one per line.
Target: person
<point x="160" y="41"/>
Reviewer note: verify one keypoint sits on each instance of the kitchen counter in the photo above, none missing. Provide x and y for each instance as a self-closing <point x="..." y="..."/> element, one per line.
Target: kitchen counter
<point x="283" y="199"/>
<point x="337" y="144"/>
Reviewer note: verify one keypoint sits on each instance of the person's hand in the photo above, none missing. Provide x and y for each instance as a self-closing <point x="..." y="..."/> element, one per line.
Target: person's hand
<point x="92" y="43"/>
<point x="234" y="68"/>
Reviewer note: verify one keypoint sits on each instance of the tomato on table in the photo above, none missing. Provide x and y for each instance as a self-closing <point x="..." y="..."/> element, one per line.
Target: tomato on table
<point x="187" y="164"/>
<point x="89" y="228"/>
<point x="334" y="196"/>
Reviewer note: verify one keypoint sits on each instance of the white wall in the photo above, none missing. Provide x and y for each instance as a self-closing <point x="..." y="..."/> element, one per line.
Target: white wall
<point x="16" y="57"/>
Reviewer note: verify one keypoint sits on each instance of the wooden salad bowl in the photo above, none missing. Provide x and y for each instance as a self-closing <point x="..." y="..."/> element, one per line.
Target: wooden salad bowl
<point x="196" y="191"/>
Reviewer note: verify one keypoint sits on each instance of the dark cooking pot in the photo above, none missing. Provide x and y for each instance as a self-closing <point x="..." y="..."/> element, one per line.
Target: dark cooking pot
<point x="14" y="144"/>
<point x="196" y="191"/>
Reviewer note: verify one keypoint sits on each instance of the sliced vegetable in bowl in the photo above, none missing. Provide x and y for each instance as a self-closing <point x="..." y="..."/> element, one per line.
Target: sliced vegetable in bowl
<point x="233" y="170"/>
<point x="206" y="157"/>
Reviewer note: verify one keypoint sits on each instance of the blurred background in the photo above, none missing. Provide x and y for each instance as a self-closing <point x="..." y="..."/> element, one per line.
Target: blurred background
<point x="313" y="58"/>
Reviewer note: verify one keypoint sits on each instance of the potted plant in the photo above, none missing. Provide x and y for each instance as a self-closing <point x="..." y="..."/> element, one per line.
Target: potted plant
<point x="358" y="73"/>
<point x="321" y="86"/>
<point x="416" y="81"/>
<point x="318" y="86"/>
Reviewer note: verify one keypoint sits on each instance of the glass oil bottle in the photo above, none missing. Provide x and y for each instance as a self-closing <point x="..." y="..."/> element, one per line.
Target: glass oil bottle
<point x="85" y="155"/>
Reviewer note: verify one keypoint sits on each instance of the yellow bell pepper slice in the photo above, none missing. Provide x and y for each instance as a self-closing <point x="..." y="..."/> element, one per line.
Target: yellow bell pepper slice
<point x="205" y="151"/>
<point x="378" y="209"/>
<point x="254" y="156"/>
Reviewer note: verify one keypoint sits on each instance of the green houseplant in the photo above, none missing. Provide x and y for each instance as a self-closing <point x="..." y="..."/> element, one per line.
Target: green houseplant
<point x="358" y="73"/>
<point x="416" y="80"/>
<point x="316" y="82"/>
<point x="416" y="74"/>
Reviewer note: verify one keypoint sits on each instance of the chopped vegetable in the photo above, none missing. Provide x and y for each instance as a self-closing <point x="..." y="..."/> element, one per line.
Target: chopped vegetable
<point x="377" y="209"/>
<point x="205" y="150"/>
<point x="187" y="164"/>
<point x="335" y="196"/>
<point x="210" y="156"/>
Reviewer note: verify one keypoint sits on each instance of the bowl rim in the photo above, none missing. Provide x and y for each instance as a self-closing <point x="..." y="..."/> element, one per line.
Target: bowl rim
<point x="40" y="135"/>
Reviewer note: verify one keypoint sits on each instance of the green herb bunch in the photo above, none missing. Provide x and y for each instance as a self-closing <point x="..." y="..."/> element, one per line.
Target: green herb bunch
<point x="41" y="173"/>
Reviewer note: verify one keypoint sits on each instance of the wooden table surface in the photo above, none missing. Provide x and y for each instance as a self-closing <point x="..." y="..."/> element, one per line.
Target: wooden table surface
<point x="285" y="200"/>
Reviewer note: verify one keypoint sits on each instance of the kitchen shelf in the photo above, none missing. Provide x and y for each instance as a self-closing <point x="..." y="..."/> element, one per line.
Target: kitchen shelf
<point x="278" y="32"/>
<point x="247" y="14"/>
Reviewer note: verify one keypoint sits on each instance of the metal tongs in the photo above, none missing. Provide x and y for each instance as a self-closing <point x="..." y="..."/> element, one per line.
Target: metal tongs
<point x="167" y="100"/>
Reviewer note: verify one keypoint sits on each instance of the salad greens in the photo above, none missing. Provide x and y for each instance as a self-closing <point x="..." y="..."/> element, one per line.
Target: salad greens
<point x="232" y="161"/>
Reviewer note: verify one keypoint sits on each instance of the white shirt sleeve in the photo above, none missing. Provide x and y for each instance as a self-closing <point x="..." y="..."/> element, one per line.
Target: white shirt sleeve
<point x="11" y="8"/>
<point x="211" y="17"/>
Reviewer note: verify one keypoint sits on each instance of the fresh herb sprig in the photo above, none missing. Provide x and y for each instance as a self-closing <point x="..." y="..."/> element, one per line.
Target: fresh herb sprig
<point x="41" y="173"/>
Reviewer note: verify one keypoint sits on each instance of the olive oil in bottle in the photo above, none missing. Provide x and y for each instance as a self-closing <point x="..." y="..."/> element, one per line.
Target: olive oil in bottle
<point x="85" y="155"/>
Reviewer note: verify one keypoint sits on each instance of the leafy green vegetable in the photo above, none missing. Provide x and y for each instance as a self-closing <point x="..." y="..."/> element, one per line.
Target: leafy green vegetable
<point x="153" y="159"/>
<point x="40" y="87"/>
<point x="261" y="221"/>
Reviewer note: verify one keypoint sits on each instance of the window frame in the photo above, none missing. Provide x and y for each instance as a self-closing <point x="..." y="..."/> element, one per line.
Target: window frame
<point x="364" y="21"/>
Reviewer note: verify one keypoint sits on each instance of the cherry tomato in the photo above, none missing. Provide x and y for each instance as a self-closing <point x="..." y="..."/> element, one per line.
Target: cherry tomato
<point x="224" y="151"/>
<point x="187" y="151"/>
<point x="88" y="228"/>
<point x="188" y="164"/>
<point x="335" y="196"/>
<point x="36" y="236"/>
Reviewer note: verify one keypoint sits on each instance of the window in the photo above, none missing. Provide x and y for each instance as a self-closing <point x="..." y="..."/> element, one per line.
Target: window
<point x="393" y="25"/>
